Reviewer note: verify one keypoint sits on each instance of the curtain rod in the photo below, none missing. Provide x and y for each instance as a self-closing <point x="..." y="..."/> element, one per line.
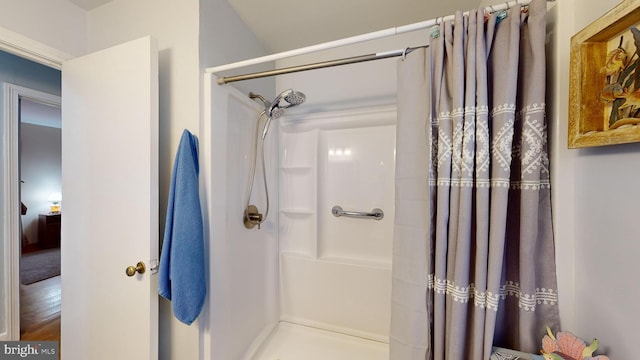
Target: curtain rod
<point x="319" y="65"/>
<point x="348" y="41"/>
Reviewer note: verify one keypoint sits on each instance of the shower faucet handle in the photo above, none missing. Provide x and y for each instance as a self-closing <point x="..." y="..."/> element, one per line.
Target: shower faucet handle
<point x="252" y="217"/>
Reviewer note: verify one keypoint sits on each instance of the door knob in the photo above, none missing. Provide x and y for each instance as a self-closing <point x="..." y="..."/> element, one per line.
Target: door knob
<point x="140" y="268"/>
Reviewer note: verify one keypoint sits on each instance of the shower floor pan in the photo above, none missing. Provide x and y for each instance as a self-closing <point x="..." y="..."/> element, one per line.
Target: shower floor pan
<point x="298" y="342"/>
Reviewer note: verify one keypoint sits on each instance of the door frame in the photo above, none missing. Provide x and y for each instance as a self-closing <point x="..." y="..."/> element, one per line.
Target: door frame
<point x="24" y="47"/>
<point x="12" y="96"/>
<point x="29" y="49"/>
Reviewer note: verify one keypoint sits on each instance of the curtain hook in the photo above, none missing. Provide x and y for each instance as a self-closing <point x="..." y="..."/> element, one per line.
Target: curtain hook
<point x="435" y="29"/>
<point x="502" y="14"/>
<point x="404" y="53"/>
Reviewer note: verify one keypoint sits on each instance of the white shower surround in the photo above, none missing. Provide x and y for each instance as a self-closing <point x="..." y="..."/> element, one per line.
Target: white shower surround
<point x="243" y="292"/>
<point x="347" y="159"/>
<point x="305" y="276"/>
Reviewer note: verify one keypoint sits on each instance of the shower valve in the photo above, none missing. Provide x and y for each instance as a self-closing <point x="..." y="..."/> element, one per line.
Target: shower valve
<point x="252" y="217"/>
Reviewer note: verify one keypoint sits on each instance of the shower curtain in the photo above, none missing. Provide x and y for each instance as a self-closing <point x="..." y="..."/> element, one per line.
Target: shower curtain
<point x="474" y="262"/>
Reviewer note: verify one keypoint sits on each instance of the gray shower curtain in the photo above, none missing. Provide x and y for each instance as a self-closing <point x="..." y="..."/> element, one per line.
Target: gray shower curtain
<point x="474" y="262"/>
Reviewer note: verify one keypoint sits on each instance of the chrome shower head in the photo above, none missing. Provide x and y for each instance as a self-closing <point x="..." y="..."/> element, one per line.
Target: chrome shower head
<point x="293" y="97"/>
<point x="284" y="100"/>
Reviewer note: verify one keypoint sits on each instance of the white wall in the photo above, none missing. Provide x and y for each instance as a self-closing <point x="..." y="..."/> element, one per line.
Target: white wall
<point x="562" y="171"/>
<point x="175" y="26"/>
<point x="607" y="239"/>
<point x="41" y="171"/>
<point x="57" y="23"/>
<point x="217" y="21"/>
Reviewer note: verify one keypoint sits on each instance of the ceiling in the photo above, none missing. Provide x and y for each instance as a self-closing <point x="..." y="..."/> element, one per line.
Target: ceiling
<point x="282" y="25"/>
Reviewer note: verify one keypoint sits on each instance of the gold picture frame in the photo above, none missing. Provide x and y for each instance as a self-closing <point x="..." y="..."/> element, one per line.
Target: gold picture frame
<point x="604" y="89"/>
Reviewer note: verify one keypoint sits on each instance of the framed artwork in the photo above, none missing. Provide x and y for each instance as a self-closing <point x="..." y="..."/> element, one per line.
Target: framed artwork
<point x="604" y="89"/>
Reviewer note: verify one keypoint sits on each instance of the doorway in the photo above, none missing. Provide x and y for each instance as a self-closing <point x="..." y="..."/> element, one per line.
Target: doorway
<point x="40" y="164"/>
<point x="30" y="76"/>
<point x="109" y="221"/>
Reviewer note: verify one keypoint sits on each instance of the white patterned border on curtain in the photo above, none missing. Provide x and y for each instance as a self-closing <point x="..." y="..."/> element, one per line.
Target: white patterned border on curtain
<point x="489" y="300"/>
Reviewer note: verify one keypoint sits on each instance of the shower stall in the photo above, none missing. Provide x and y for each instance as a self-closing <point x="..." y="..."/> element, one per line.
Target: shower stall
<point x="310" y="275"/>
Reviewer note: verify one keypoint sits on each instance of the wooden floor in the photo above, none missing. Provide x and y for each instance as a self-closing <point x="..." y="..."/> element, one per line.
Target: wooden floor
<point x="40" y="310"/>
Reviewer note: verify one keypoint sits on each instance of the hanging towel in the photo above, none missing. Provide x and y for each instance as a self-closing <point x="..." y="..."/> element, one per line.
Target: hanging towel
<point x="182" y="270"/>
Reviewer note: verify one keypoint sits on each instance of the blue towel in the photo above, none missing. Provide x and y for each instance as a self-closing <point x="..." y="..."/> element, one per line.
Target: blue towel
<point x="182" y="270"/>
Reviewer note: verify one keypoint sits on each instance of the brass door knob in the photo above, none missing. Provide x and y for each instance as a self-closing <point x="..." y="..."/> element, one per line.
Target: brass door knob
<point x="140" y="268"/>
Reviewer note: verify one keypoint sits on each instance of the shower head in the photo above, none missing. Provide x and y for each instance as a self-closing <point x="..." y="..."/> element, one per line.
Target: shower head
<point x="284" y="100"/>
<point x="292" y="98"/>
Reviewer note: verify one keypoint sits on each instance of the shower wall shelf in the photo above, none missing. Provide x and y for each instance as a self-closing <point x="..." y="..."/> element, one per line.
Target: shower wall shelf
<point x="300" y="211"/>
<point x="296" y="169"/>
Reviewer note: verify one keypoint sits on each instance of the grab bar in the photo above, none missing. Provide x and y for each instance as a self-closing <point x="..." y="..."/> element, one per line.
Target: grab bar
<point x="375" y="214"/>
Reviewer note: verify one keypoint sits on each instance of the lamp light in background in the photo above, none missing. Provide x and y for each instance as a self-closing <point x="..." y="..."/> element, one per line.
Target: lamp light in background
<point x="55" y="199"/>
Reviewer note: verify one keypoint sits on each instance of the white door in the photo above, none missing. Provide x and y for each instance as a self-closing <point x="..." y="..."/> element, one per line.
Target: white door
<point x="110" y="203"/>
